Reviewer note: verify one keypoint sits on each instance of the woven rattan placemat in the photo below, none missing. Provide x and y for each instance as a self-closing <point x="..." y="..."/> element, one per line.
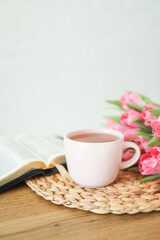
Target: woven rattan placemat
<point x="125" y="195"/>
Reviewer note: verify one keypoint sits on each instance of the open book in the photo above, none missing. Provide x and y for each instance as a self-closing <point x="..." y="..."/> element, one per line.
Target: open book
<point x="29" y="155"/>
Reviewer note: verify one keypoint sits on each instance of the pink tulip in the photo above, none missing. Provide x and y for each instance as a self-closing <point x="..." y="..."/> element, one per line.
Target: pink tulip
<point x="149" y="165"/>
<point x="142" y="143"/>
<point x="116" y="126"/>
<point x="129" y="133"/>
<point x="132" y="98"/>
<point x="146" y="115"/>
<point x="127" y="155"/>
<point x="128" y="117"/>
<point x="155" y="152"/>
<point x="155" y="124"/>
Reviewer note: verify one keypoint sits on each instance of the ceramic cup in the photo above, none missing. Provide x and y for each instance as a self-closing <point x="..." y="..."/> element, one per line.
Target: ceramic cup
<point x="97" y="164"/>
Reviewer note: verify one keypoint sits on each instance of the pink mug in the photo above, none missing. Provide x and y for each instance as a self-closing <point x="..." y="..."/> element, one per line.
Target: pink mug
<point x="97" y="164"/>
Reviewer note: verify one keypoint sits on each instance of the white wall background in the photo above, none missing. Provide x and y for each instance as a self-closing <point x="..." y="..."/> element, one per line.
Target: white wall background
<point x="61" y="59"/>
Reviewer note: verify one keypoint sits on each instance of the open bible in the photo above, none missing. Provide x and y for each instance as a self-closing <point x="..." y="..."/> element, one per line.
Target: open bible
<point x="29" y="155"/>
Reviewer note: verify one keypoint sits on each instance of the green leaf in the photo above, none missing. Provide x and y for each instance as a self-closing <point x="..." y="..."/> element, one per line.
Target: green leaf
<point x="115" y="102"/>
<point x="115" y="118"/>
<point x="150" y="178"/>
<point x="155" y="112"/>
<point x="145" y="98"/>
<point x="154" y="141"/>
<point x="148" y="100"/>
<point x="140" y="123"/>
<point x="135" y="107"/>
<point x="145" y="135"/>
<point x="134" y="169"/>
<point x="146" y="131"/>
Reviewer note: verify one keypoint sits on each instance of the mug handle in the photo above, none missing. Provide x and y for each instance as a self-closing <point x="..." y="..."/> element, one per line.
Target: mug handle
<point x="134" y="159"/>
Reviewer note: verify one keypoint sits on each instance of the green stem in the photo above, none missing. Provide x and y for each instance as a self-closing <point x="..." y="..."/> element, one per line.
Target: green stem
<point x="134" y="169"/>
<point x="150" y="178"/>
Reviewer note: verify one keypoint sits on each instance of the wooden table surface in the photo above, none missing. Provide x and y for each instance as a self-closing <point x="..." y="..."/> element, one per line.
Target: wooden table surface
<point x="25" y="215"/>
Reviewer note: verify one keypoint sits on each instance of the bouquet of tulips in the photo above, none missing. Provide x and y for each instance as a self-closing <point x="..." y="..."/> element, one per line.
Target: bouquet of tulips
<point x="139" y="122"/>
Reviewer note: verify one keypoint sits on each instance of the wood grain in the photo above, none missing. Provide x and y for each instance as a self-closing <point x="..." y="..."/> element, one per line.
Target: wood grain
<point x="24" y="215"/>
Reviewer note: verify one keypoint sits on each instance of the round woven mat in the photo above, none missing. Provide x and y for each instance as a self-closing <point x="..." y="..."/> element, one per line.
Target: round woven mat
<point x="125" y="195"/>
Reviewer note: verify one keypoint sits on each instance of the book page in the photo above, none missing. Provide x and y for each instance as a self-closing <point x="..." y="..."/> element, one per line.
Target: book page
<point x="13" y="156"/>
<point x="44" y="148"/>
<point x="55" y="140"/>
